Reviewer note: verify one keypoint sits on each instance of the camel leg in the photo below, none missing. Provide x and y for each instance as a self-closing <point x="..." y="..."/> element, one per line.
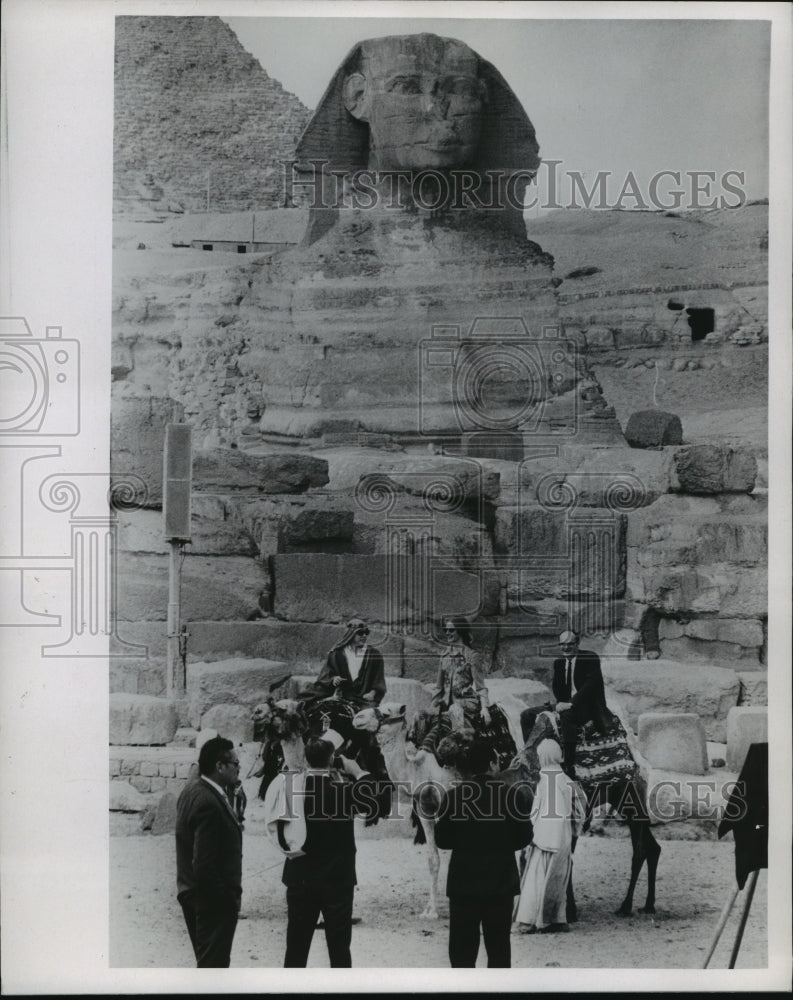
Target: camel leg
<point x="430" y="911"/>
<point x="652" y="850"/>
<point x="638" y="859"/>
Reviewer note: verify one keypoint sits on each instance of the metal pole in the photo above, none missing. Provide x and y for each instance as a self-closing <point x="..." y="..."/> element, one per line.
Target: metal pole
<point x="175" y="685"/>
<point x="744" y="915"/>
<point x="726" y="911"/>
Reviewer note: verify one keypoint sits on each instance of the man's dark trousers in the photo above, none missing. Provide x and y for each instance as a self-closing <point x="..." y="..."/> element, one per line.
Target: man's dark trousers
<point x="466" y="914"/>
<point x="211" y="931"/>
<point x="304" y="905"/>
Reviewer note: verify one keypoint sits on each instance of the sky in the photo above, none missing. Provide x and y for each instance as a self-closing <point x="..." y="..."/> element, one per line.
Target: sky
<point x="624" y="96"/>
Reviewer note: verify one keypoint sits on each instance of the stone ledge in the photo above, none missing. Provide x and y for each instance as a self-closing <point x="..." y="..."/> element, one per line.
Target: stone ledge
<point x="668" y="686"/>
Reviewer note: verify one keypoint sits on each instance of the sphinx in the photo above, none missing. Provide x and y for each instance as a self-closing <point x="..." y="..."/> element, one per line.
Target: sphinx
<point x="416" y="306"/>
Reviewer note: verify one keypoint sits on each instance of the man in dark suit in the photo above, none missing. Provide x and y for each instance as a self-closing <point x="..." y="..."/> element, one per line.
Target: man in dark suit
<point x="580" y="697"/>
<point x="483" y="825"/>
<point x="354" y="667"/>
<point x="322" y="880"/>
<point x="209" y="855"/>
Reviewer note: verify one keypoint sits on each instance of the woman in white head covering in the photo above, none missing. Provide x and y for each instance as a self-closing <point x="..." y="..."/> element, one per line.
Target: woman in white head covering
<point x="557" y="814"/>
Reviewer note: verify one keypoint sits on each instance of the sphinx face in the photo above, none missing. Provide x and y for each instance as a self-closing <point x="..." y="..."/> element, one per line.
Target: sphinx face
<point x="423" y="104"/>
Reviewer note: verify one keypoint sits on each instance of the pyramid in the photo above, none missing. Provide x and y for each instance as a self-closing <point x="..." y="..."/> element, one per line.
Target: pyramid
<point x="194" y="110"/>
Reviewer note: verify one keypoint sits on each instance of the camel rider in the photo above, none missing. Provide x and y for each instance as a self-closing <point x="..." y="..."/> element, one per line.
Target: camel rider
<point x="578" y="689"/>
<point x="353" y="668"/>
<point x="460" y="698"/>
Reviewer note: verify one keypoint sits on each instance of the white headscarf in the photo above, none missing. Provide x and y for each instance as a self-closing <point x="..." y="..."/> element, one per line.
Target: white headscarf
<point x="550" y="753"/>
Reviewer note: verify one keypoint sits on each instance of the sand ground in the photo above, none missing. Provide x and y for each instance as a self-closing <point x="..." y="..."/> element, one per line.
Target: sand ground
<point x="695" y="878"/>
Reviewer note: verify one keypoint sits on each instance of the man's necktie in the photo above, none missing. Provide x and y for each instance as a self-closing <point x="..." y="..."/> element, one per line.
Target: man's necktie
<point x="569" y="677"/>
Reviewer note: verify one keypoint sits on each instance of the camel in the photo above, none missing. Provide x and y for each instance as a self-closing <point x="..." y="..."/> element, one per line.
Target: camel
<point x="283" y="726"/>
<point x="420" y="777"/>
<point x="625" y="795"/>
<point x="425" y="780"/>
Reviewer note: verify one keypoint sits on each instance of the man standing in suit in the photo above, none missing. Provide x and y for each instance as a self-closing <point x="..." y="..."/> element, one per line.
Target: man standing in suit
<point x="322" y="878"/>
<point x="580" y="698"/>
<point x="354" y="667"/>
<point x="209" y="855"/>
<point x="482" y="824"/>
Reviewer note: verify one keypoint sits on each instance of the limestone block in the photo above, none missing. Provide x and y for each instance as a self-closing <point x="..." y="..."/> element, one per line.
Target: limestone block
<point x="138" y="719"/>
<point x="157" y="784"/>
<point x="231" y="721"/>
<point x="184" y="737"/>
<point x="229" y="682"/>
<point x="141" y="531"/>
<point x="215" y="531"/>
<point x="471" y="481"/>
<point x="684" y="530"/>
<point x="124" y="797"/>
<point x="141" y="783"/>
<point x="167" y="770"/>
<point x="452" y="536"/>
<point x="222" y="470"/>
<point x="301" y="645"/>
<point x="149" y="769"/>
<point x="342" y="586"/>
<point x="742" y="632"/>
<point x="165" y="814"/>
<point x="213" y="587"/>
<point x="710" y="469"/>
<point x="754" y="687"/>
<point x="285" y="525"/>
<point x="745" y="725"/>
<point x="137" y="439"/>
<point x="115" y="768"/>
<point x="675" y="795"/>
<point x="533" y="530"/>
<point x="653" y="428"/>
<point x="531" y="693"/>
<point x="673" y="742"/>
<point x="667" y="686"/>
<point x="421" y="660"/>
<point x="625" y="643"/>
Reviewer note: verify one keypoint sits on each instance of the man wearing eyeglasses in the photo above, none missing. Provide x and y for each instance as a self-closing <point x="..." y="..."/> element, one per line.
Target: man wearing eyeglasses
<point x="580" y="697"/>
<point x="354" y="667"/>
<point x="209" y="855"/>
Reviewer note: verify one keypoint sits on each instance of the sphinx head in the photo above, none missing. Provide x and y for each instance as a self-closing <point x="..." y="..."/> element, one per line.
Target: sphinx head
<point x="419" y="102"/>
<point x="422" y="98"/>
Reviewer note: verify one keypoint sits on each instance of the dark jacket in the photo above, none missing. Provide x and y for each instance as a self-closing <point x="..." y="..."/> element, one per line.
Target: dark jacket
<point x="330" y="804"/>
<point x="208" y="846"/>
<point x="370" y="678"/>
<point x="587" y="697"/>
<point x="482" y="824"/>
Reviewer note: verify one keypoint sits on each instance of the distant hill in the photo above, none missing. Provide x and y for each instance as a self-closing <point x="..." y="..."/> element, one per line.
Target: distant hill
<point x="193" y="108"/>
<point x="631" y="249"/>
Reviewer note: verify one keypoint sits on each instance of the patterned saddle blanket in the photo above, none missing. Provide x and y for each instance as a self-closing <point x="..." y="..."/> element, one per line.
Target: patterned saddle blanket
<point x="603" y="758"/>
